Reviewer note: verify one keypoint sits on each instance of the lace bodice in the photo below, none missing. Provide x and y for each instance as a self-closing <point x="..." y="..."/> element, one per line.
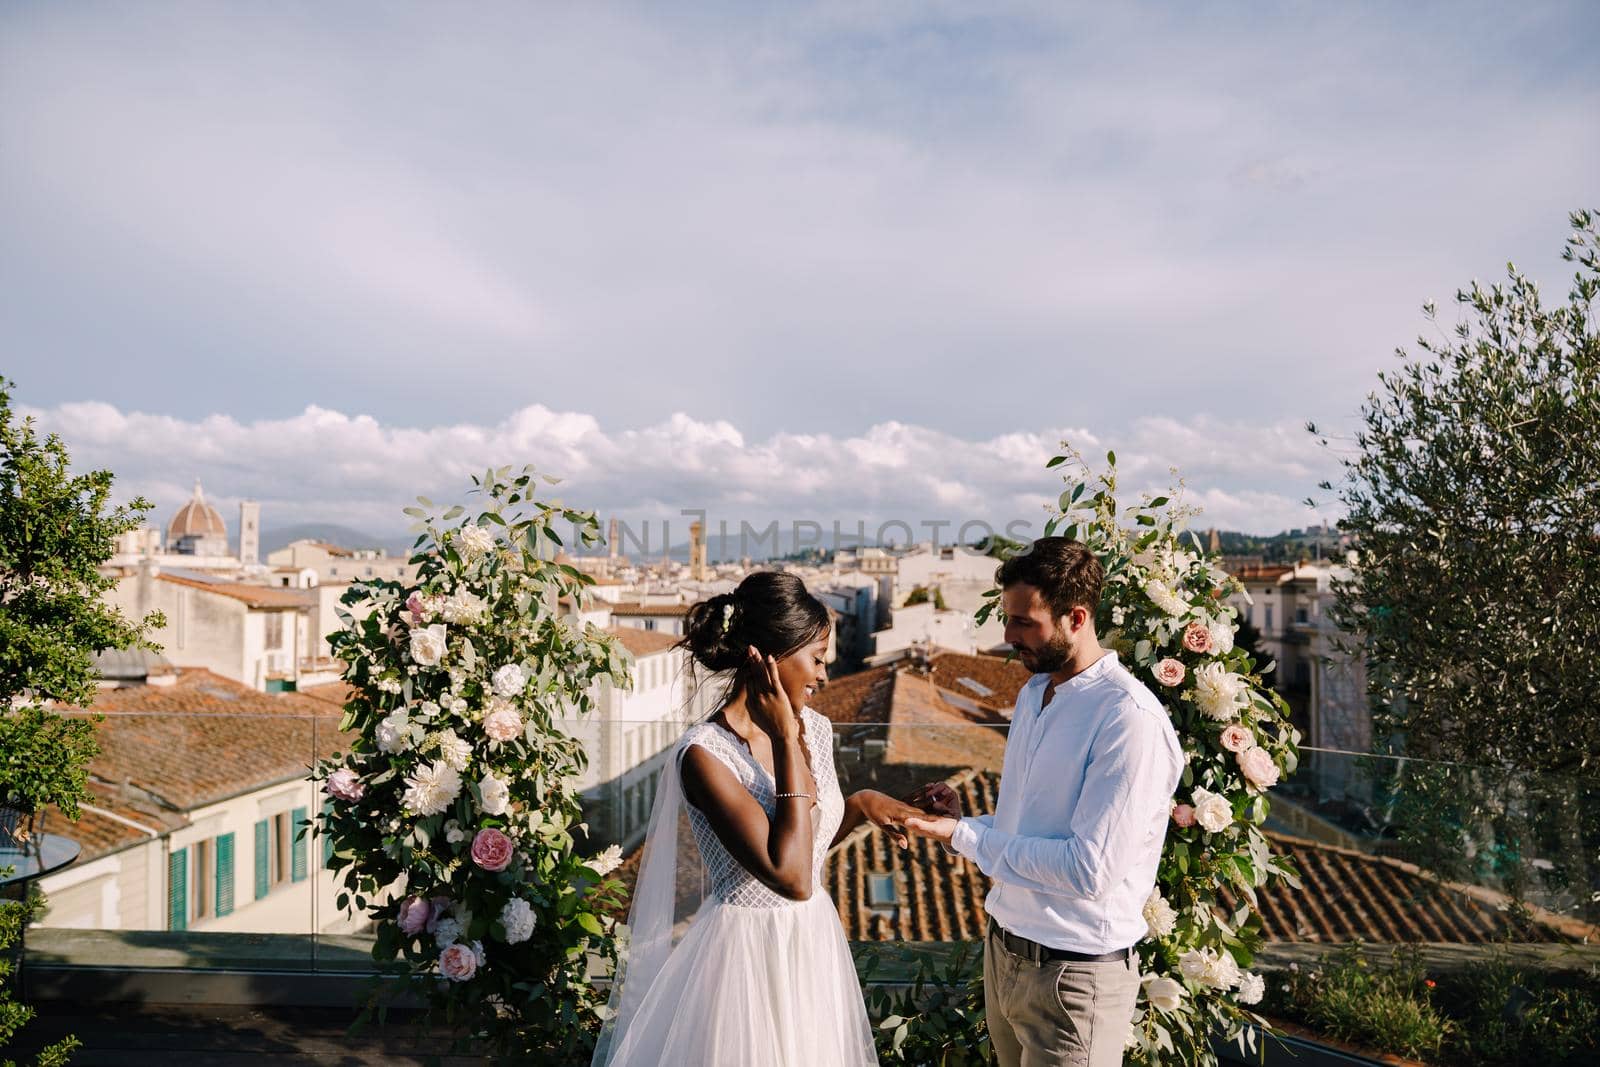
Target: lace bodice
<point x="730" y="882"/>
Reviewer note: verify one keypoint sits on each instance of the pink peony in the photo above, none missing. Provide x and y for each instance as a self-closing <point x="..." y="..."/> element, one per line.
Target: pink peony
<point x="414" y="916"/>
<point x="1257" y="767"/>
<point x="1197" y="638"/>
<point x="459" y="962"/>
<point x="503" y="724"/>
<point x="1237" y="737"/>
<point x="492" y="850"/>
<point x="1169" y="672"/>
<point x="1183" y="814"/>
<point x="345" y="784"/>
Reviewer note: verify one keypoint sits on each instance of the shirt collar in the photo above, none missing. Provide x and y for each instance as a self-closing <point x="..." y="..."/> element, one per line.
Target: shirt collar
<point x="1098" y="669"/>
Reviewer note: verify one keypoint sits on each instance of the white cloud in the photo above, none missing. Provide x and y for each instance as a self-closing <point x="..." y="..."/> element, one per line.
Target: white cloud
<point x="324" y="465"/>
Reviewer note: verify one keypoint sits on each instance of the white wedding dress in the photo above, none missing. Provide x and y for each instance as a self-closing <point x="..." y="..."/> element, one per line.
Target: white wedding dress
<point x="758" y="980"/>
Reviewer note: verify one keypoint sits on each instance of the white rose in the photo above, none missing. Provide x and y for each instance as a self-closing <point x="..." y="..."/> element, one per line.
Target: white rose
<point x="1218" y="691"/>
<point x="607" y="861"/>
<point x="510" y="680"/>
<point x="1221" y="637"/>
<point x="1164" y="598"/>
<point x="1192" y="965"/>
<point x="1212" y="810"/>
<point x="393" y="732"/>
<point x="453" y="750"/>
<point x="517" y="918"/>
<point x="1159" y="916"/>
<point x="496" y="795"/>
<point x="432" y="789"/>
<point x="474" y="540"/>
<point x="1163" y="992"/>
<point x="1251" y="988"/>
<point x="427" y="644"/>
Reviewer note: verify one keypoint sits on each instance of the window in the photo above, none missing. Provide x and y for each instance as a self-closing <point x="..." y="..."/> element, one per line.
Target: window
<point x="881" y="891"/>
<point x="1269" y="618"/>
<point x="200" y="881"/>
<point x="649" y="624"/>
<point x="274" y="630"/>
<point x="1300" y="616"/>
<point x="280" y="857"/>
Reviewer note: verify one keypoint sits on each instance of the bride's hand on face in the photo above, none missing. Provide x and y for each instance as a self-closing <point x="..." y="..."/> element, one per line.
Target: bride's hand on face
<point x="767" y="701"/>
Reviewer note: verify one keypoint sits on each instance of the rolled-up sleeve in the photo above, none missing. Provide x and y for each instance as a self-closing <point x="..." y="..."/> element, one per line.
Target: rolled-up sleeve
<point x="1128" y="780"/>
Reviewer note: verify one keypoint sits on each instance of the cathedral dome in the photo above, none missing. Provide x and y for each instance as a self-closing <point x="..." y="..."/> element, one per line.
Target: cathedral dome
<point x="196" y="518"/>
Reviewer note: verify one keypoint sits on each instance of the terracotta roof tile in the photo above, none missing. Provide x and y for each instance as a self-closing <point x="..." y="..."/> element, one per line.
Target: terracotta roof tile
<point x="257" y="596"/>
<point x="642" y="642"/>
<point x="856" y="698"/>
<point x="635" y="608"/>
<point x="1003" y="678"/>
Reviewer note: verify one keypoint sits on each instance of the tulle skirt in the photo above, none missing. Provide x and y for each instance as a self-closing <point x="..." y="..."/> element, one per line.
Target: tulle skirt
<point x="754" y="987"/>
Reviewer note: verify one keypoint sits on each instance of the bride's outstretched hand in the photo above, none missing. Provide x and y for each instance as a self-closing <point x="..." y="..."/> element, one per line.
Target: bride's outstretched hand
<point x="767" y="701"/>
<point x="886" y="813"/>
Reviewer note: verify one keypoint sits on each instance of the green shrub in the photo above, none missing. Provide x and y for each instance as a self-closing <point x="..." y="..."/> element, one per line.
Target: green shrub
<point x="1349" y="999"/>
<point x="1507" y="1015"/>
<point x="938" y="1020"/>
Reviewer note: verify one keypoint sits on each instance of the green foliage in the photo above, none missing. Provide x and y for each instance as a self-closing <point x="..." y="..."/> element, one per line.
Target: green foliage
<point x="1388" y="1008"/>
<point x="1474" y="494"/>
<point x="55" y="531"/>
<point x="15" y="915"/>
<point x="1505" y="1015"/>
<point x="922" y="594"/>
<point x="480" y="639"/>
<point x="938" y="1020"/>
<point x="44" y="759"/>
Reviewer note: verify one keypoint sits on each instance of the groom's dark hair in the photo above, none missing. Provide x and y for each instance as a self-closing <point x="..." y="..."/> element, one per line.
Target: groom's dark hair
<point x="1063" y="570"/>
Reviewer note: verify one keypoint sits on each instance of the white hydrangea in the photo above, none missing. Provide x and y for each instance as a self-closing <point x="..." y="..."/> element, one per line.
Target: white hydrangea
<point x="1163" y="597"/>
<point x="1252" y="987"/>
<point x="495" y="794"/>
<point x="447" y="931"/>
<point x="432" y="788"/>
<point x="510" y="680"/>
<point x="517" y="918"/>
<point x="1212" y="810"/>
<point x="474" y="540"/>
<point x="453" y="750"/>
<point x="1159" y="916"/>
<point x="1219" y="692"/>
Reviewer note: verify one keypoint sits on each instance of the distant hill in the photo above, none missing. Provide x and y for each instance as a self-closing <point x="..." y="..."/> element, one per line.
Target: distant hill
<point x="333" y="534"/>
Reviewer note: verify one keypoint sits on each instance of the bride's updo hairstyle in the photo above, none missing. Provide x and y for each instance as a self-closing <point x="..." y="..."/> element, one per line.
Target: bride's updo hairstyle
<point x="771" y="610"/>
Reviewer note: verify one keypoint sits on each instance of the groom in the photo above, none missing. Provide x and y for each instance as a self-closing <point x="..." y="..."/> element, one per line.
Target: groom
<point x="1090" y="767"/>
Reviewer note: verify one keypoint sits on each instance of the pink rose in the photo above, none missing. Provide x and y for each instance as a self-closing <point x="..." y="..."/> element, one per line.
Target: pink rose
<point x="1183" y="814"/>
<point x="345" y="784"/>
<point x="1257" y="767"/>
<point x="1197" y="638"/>
<point x="416" y="606"/>
<point x="1237" y="737"/>
<point x="503" y="724"/>
<point x="1169" y="671"/>
<point x="492" y="850"/>
<point x="460" y="962"/>
<point x="414" y="916"/>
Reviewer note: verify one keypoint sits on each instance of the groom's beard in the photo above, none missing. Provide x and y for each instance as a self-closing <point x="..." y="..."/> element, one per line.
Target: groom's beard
<point x="1048" y="659"/>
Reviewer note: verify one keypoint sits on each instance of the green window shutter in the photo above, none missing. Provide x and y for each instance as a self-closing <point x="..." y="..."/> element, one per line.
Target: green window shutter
<point x="178" y="890"/>
<point x="327" y="839"/>
<point x="296" y="822"/>
<point x="224" y="893"/>
<point x="263" y="858"/>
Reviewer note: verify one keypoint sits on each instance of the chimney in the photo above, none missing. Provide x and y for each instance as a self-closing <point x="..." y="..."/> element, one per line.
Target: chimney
<point x="249" y="532"/>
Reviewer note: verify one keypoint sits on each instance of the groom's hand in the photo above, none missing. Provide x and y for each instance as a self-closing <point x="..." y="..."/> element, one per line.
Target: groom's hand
<point x="938" y="827"/>
<point x="937" y="798"/>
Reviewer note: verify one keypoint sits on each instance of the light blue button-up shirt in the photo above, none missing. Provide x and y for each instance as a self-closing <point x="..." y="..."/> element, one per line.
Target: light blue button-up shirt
<point x="1085" y="794"/>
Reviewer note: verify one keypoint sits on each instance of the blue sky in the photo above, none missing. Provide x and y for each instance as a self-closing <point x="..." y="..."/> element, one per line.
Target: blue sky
<point x="278" y="247"/>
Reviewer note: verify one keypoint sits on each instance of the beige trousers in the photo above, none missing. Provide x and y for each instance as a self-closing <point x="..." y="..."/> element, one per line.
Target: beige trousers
<point x="1057" y="1013"/>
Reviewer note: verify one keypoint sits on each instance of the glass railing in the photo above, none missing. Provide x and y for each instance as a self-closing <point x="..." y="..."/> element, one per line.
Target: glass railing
<point x="192" y="857"/>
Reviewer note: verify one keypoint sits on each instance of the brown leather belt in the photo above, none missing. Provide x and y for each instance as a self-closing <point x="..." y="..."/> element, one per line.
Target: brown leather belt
<point x="1034" y="952"/>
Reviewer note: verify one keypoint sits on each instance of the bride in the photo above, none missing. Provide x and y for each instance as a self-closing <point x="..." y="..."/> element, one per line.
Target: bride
<point x="763" y="975"/>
